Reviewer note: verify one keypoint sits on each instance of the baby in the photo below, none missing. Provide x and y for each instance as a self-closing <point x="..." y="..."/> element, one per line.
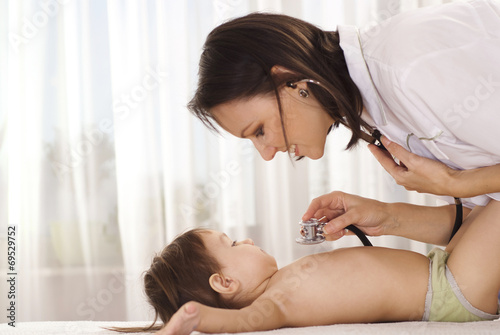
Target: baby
<point x="205" y="281"/>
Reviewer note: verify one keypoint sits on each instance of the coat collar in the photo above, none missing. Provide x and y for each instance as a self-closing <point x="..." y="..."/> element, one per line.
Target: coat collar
<point x="350" y="42"/>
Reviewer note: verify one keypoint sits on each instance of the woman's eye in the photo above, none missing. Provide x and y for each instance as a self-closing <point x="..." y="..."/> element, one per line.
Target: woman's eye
<point x="259" y="132"/>
<point x="234" y="243"/>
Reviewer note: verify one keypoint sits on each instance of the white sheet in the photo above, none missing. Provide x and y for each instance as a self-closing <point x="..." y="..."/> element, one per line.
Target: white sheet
<point x="444" y="328"/>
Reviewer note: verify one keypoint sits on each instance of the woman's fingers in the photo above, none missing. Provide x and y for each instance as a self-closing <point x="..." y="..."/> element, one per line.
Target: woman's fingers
<point x="396" y="150"/>
<point x="342" y="210"/>
<point x="414" y="173"/>
<point x="386" y="160"/>
<point x="183" y="322"/>
<point x="327" y="204"/>
<point x="336" y="227"/>
<point x="337" y="235"/>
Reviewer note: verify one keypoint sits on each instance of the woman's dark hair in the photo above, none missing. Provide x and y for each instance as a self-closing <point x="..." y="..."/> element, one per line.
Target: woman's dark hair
<point x="180" y="273"/>
<point x="238" y="57"/>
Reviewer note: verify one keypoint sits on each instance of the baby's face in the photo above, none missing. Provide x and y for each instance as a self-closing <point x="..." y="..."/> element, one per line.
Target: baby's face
<point x="240" y="259"/>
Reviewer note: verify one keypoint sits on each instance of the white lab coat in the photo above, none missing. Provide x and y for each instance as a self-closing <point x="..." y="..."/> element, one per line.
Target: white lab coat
<point x="430" y="81"/>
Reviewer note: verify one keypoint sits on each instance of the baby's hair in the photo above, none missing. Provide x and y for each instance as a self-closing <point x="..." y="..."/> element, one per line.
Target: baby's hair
<point x="180" y="273"/>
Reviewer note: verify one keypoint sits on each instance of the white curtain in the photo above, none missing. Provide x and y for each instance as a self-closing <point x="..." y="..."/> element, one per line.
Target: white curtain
<point x="101" y="164"/>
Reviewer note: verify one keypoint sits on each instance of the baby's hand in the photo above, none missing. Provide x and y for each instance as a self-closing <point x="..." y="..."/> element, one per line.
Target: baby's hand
<point x="184" y="321"/>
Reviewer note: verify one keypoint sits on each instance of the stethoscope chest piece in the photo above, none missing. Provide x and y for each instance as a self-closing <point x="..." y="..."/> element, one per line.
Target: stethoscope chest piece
<point x="311" y="232"/>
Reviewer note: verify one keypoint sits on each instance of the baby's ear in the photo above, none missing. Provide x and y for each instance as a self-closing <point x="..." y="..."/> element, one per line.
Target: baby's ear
<point x="223" y="285"/>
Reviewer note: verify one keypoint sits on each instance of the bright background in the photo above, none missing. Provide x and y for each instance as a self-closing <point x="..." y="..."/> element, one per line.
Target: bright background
<point x="101" y="164"/>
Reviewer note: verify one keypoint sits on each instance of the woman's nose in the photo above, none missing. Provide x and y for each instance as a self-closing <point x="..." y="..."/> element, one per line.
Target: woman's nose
<point x="267" y="152"/>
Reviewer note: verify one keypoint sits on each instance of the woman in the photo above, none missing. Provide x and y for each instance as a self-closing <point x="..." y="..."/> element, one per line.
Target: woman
<point x="427" y="79"/>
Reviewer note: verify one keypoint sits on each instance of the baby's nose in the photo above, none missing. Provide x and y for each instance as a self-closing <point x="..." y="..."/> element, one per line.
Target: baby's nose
<point x="247" y="241"/>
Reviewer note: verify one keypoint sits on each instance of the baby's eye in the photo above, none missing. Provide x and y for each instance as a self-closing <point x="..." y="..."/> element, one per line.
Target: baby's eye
<point x="259" y="132"/>
<point x="234" y="243"/>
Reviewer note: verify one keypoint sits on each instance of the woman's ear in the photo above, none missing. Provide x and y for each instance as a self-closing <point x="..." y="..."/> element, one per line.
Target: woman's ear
<point x="278" y="70"/>
<point x="223" y="285"/>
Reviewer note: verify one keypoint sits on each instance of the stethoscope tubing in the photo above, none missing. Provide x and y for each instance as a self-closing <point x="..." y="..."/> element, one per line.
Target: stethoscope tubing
<point x="366" y="242"/>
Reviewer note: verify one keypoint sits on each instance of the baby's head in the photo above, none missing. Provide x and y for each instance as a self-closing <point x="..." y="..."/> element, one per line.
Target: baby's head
<point x="206" y="266"/>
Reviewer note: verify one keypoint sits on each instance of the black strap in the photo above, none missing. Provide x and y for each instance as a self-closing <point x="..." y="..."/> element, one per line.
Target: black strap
<point x="458" y="217"/>
<point x="360" y="235"/>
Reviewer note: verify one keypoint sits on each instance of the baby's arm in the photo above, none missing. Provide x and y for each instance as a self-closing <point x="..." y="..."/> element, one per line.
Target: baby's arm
<point x="263" y="314"/>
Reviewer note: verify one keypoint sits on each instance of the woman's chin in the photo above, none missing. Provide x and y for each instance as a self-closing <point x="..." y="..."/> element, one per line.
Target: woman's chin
<point x="315" y="156"/>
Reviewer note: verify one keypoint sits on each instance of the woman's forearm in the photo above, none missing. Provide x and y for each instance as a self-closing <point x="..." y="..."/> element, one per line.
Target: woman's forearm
<point x="422" y="223"/>
<point x="375" y="218"/>
<point x="470" y="183"/>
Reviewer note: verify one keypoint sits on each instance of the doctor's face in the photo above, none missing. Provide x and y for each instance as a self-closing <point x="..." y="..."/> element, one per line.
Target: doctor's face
<point x="258" y="119"/>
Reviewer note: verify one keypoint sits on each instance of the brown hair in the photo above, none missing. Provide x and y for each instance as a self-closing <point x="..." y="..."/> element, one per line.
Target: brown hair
<point x="179" y="274"/>
<point x="238" y="57"/>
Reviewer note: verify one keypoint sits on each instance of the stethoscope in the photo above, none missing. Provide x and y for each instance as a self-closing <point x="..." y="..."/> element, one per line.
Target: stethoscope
<point x="311" y="231"/>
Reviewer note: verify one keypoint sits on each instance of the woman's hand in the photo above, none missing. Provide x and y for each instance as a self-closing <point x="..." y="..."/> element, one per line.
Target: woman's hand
<point x="343" y="209"/>
<point x="414" y="172"/>
<point x="184" y="321"/>
<point x="428" y="224"/>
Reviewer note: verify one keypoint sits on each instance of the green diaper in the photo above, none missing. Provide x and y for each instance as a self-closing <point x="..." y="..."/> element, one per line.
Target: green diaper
<point x="444" y="300"/>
